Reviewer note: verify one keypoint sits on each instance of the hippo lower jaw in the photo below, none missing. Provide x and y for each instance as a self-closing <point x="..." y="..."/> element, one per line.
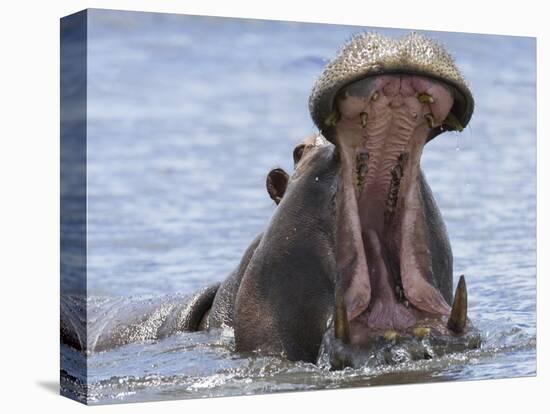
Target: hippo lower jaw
<point x="386" y="286"/>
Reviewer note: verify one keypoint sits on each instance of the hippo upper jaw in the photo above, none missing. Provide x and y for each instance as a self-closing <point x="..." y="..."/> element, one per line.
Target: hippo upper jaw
<point x="373" y="54"/>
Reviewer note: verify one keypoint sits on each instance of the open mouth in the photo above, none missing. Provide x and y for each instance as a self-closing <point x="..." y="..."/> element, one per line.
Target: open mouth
<point x="380" y="125"/>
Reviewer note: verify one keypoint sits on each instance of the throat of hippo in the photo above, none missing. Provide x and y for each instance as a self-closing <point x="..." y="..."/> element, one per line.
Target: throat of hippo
<point x="383" y="258"/>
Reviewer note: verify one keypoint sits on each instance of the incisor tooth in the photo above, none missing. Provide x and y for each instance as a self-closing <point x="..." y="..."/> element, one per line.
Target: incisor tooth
<point x="364" y="116"/>
<point x="390" y="335"/>
<point x="430" y="119"/>
<point x="425" y="98"/>
<point x="332" y="119"/>
<point x="421" y="331"/>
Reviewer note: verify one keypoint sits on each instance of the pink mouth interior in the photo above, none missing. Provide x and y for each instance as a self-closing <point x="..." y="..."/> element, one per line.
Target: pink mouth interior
<point x="381" y="253"/>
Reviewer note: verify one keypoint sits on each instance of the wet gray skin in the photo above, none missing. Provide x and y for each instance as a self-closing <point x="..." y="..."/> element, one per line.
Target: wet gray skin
<point x="355" y="266"/>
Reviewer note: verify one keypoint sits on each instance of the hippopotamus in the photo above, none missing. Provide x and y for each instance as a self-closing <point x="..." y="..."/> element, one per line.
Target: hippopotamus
<point x="355" y="264"/>
<point x="356" y="256"/>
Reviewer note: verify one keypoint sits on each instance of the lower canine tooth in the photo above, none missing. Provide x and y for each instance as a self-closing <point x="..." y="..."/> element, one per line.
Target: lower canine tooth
<point x="374" y="96"/>
<point x="459" y="312"/>
<point x="341" y="323"/>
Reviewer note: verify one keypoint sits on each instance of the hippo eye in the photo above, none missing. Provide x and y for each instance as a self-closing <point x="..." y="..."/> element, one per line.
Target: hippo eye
<point x="298" y="152"/>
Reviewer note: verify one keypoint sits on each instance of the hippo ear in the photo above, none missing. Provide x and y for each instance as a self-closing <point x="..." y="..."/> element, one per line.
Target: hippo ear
<point x="275" y="183"/>
<point x="298" y="152"/>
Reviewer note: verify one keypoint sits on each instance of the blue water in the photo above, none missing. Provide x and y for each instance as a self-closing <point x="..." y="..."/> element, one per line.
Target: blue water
<point x="186" y="115"/>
